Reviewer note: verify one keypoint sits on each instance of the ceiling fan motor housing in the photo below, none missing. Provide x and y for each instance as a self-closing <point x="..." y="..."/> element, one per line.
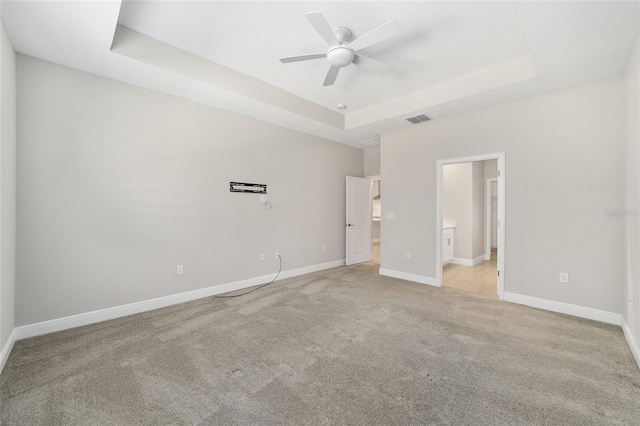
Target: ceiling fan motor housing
<point x="340" y="56"/>
<point x="343" y="35"/>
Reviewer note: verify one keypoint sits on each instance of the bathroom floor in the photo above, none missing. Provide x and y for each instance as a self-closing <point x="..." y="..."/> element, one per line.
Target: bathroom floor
<point x="480" y="279"/>
<point x="376" y="253"/>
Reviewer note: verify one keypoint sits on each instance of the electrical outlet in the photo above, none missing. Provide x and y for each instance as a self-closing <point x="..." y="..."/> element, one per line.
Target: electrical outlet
<point x="179" y="269"/>
<point x="391" y="216"/>
<point x="277" y="254"/>
<point x="564" y="277"/>
<point x="261" y="257"/>
<point x="263" y="198"/>
<point x="324" y="248"/>
<point x="407" y="255"/>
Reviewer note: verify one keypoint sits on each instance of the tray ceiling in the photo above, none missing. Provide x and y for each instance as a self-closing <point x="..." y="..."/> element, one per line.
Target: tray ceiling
<point x="452" y="57"/>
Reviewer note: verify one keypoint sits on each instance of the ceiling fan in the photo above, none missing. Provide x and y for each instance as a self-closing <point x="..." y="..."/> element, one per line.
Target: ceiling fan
<point x="342" y="50"/>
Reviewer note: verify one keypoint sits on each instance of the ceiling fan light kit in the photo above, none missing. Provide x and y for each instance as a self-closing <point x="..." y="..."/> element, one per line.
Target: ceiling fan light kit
<point x="342" y="50"/>
<point x="340" y="56"/>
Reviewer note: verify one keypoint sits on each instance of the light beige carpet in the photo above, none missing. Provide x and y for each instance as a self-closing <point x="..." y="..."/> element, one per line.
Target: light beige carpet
<point x="342" y="346"/>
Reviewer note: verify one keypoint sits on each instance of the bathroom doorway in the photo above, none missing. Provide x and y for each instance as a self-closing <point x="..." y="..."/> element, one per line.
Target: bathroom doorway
<point x="463" y="189"/>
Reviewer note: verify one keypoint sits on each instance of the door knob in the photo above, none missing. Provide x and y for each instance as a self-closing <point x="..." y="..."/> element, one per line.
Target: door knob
<point x="348" y="224"/>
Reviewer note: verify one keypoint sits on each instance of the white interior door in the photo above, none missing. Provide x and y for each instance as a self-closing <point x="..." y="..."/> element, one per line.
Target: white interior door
<point x="494" y="214"/>
<point x="491" y="216"/>
<point x="358" y="220"/>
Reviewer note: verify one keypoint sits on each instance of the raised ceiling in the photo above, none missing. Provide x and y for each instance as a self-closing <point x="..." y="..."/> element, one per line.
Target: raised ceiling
<point x="452" y="57"/>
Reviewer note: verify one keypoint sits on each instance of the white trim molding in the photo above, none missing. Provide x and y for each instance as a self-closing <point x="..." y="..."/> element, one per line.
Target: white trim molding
<point x="422" y="279"/>
<point x="633" y="345"/>
<point x="564" y="308"/>
<point x="93" y="317"/>
<point x="467" y="262"/>
<point x="6" y="350"/>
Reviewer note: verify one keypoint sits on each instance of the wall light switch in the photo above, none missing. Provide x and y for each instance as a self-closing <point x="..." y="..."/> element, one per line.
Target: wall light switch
<point x="263" y="198"/>
<point x="391" y="216"/>
<point x="261" y="257"/>
<point x="564" y="277"/>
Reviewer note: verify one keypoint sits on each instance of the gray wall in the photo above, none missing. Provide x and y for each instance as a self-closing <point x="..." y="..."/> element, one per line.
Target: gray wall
<point x="7" y="185"/>
<point x="555" y="220"/>
<point x="478" y="202"/>
<point x="631" y="125"/>
<point x="491" y="171"/>
<point x="372" y="161"/>
<point x="463" y="201"/>
<point x="117" y="185"/>
<point x="456" y="205"/>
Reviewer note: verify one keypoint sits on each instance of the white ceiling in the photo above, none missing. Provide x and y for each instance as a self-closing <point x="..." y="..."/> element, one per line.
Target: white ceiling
<point x="452" y="57"/>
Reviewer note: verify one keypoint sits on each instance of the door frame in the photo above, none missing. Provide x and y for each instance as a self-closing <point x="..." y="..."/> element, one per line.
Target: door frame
<point x="500" y="156"/>
<point x="487" y="213"/>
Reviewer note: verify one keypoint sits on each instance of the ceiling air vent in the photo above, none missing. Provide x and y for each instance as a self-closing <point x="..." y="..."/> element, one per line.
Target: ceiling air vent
<point x="369" y="142"/>
<point x="418" y="119"/>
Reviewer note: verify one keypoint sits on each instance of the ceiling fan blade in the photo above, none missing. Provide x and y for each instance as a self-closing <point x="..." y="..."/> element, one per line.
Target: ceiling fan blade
<point x="371" y="65"/>
<point x="331" y="76"/>
<point x="376" y="35"/>
<point x="303" y="57"/>
<point x="322" y="27"/>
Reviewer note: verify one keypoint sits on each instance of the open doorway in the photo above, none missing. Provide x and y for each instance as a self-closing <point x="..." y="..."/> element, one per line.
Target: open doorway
<point x="470" y="224"/>
<point x="376" y="212"/>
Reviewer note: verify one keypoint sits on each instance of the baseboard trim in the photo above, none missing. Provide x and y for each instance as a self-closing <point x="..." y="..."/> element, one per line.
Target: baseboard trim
<point x="564" y="308"/>
<point x="478" y="260"/>
<point x="467" y="262"/>
<point x="93" y="317"/>
<point x="408" y="277"/>
<point x="6" y="350"/>
<point x="633" y="345"/>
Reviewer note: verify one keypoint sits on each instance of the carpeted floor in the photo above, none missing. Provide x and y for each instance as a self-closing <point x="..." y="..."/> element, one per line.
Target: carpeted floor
<point x="342" y="346"/>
